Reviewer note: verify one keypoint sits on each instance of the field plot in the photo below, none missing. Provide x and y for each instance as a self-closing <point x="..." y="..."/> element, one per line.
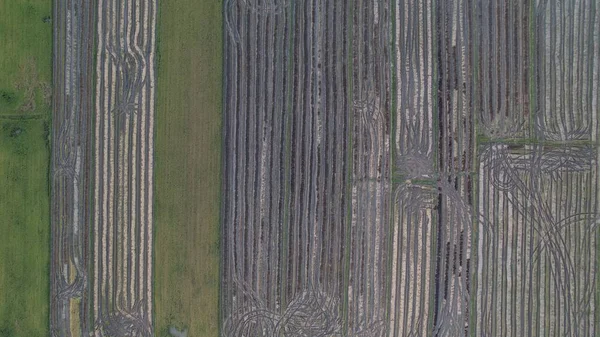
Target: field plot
<point x="26" y="58"/>
<point x="123" y="172"/>
<point x="26" y="73"/>
<point x="24" y="210"/>
<point x="71" y="168"/>
<point x="542" y="204"/>
<point x="187" y="167"/>
<point x="566" y="62"/>
<point x="285" y="219"/>
<point x="369" y="250"/>
<point x="537" y="244"/>
<point x="102" y="172"/>
<point x="501" y="68"/>
<point x="413" y="168"/>
<point x="414" y="215"/>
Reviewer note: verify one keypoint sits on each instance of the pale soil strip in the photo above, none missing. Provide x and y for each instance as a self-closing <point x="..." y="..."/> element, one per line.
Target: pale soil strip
<point x="511" y="229"/>
<point x="544" y="293"/>
<point x="520" y="262"/>
<point x="317" y="106"/>
<point x="381" y="168"/>
<point x="241" y="245"/>
<point x="232" y="234"/>
<point x="145" y="254"/>
<point x="129" y="163"/>
<point x="339" y="187"/>
<point x="528" y="271"/>
<point x="121" y="135"/>
<point x="355" y="301"/>
<point x="310" y="149"/>
<point x="556" y="266"/>
<point x="296" y="170"/>
<point x="270" y="183"/>
<point x="127" y="190"/>
<point x="258" y="113"/>
<point x="100" y="238"/>
<point x="151" y="158"/>
<point x="417" y="277"/>
<point x="595" y="108"/>
<point x="394" y="317"/>
<point x="261" y="155"/>
<point x="594" y="204"/>
<point x="500" y="290"/>
<point x="132" y="279"/>
<point x="427" y="224"/>
<point x="121" y="131"/>
<point x="149" y="133"/>
<point x="404" y="289"/>
<point x="143" y="182"/>
<point x="240" y="167"/>
<point x="97" y="166"/>
<point x="104" y="177"/>
<point x="425" y="85"/>
<point x="594" y="64"/>
<point x="133" y="245"/>
<point x="125" y="226"/>
<point x="328" y="196"/>
<point x="481" y="277"/>
<point x="118" y="162"/>
<point x="112" y="181"/>
<point x="251" y="152"/>
<point x="76" y="254"/>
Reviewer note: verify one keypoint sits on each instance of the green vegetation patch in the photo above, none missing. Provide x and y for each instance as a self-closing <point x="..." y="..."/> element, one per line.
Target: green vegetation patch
<point x="25" y="57"/>
<point x="24" y="228"/>
<point x="188" y="167"/>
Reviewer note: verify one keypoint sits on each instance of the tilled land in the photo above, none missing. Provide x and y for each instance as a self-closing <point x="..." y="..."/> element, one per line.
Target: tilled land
<point x="410" y="168"/>
<point x="102" y="175"/>
<point x="70" y="172"/>
<point x="122" y="220"/>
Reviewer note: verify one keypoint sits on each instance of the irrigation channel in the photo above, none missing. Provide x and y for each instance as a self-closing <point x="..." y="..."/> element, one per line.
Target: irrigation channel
<point x="102" y="171"/>
<point x="410" y="168"/>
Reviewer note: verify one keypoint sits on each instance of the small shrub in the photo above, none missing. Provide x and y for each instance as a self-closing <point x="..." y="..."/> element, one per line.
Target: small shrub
<point x="8" y="97"/>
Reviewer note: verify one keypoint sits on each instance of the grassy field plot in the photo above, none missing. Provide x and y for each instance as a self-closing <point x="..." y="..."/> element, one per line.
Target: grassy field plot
<point x="187" y="167"/>
<point x="24" y="228"/>
<point x="25" y="92"/>
<point x="26" y="57"/>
